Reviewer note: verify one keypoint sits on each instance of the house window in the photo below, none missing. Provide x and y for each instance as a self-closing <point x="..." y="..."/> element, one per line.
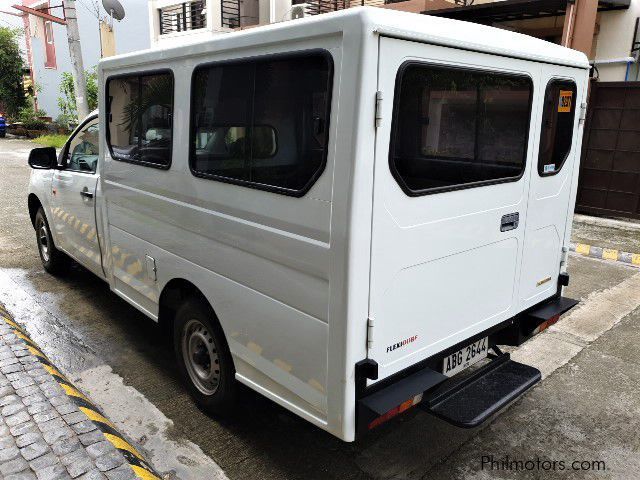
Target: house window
<point x="457" y="128"/>
<point x="183" y="16"/>
<point x="49" y="46"/>
<point x="262" y="123"/>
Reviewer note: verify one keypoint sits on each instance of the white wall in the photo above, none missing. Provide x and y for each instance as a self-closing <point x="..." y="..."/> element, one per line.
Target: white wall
<point x="130" y="34"/>
<point x="614" y="41"/>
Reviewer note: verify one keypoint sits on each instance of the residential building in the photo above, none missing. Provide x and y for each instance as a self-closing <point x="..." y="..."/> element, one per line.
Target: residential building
<point x="603" y="29"/>
<point x="47" y="46"/>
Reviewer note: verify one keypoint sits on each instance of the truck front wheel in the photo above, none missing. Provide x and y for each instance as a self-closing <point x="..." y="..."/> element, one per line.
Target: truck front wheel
<point x="53" y="260"/>
<point x="203" y="357"/>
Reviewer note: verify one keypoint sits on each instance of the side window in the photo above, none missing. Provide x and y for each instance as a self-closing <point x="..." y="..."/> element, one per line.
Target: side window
<point x="262" y="123"/>
<point x="556" y="133"/>
<point x="455" y="128"/>
<point x="82" y="153"/>
<point x="140" y="116"/>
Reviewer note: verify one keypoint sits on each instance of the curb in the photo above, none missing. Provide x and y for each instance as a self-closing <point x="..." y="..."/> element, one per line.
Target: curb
<point x="605" y="253"/>
<point x="134" y="459"/>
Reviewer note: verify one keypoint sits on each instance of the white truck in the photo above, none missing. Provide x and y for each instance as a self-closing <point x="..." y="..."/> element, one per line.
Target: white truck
<point x="342" y="212"/>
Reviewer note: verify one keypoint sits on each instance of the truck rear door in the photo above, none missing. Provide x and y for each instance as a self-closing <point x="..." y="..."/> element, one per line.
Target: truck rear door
<point x="552" y="185"/>
<point x="453" y="153"/>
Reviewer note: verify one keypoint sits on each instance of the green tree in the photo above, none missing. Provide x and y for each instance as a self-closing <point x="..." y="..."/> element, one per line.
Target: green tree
<point x="67" y="98"/>
<point x="12" y="97"/>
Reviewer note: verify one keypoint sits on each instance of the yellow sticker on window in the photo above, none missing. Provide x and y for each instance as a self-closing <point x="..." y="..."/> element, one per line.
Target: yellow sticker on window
<point x="564" y="104"/>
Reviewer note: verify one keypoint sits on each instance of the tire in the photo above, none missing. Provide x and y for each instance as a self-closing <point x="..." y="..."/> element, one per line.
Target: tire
<point x="3" y="134"/>
<point x="54" y="261"/>
<point x="200" y="347"/>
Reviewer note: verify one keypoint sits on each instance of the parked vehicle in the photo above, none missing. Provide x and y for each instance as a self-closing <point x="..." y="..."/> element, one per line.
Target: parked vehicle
<point x="3" y="126"/>
<point x="341" y="212"/>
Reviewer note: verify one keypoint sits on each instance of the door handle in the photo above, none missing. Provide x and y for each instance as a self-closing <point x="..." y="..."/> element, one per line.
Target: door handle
<point x="509" y="221"/>
<point x="86" y="193"/>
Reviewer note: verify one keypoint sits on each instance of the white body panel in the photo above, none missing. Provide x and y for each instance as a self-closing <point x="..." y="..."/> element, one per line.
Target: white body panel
<point x="293" y="280"/>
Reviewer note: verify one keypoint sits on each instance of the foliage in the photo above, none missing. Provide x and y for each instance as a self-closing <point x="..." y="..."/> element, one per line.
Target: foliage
<point x="12" y="96"/>
<point x="29" y="118"/>
<point x="67" y="100"/>
<point x="56" y="141"/>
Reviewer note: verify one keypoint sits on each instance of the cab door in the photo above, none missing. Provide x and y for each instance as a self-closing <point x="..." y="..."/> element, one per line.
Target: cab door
<point x="73" y="197"/>
<point x="553" y="181"/>
<point x="453" y="149"/>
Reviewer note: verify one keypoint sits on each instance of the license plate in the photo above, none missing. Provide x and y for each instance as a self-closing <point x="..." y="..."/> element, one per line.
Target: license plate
<point x="465" y="357"/>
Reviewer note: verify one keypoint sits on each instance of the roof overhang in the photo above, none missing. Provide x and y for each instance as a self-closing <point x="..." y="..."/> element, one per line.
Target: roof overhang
<point x="508" y="10"/>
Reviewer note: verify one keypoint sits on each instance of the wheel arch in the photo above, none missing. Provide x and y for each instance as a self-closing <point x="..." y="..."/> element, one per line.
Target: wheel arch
<point x="173" y="294"/>
<point x="34" y="204"/>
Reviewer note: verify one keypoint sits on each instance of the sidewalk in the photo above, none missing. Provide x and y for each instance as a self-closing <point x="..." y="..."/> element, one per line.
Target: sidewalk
<point x="623" y="236"/>
<point x="48" y="429"/>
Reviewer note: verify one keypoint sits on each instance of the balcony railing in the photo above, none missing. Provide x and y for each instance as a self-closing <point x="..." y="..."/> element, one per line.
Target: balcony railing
<point x="230" y="13"/>
<point x="317" y="7"/>
<point x="183" y="17"/>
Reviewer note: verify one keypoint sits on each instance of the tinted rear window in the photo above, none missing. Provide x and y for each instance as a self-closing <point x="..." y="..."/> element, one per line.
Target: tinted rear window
<point x="455" y="128"/>
<point x="556" y="134"/>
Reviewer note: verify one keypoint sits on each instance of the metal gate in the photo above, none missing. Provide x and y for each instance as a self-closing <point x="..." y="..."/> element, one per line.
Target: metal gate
<point x="609" y="181"/>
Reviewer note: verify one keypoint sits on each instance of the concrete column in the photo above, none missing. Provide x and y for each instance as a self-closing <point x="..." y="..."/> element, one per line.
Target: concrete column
<point x="579" y="25"/>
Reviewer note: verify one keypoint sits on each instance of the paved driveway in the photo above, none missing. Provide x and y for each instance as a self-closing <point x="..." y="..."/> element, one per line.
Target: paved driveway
<point x="586" y="408"/>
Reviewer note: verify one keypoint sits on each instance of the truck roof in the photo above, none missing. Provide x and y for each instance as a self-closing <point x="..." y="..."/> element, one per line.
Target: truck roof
<point x="376" y="21"/>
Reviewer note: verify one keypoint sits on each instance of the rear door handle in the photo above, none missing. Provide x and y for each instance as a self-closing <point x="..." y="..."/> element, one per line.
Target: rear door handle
<point x="86" y="193"/>
<point x="509" y="221"/>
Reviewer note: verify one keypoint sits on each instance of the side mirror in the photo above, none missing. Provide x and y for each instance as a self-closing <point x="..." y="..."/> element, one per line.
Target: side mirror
<point x="43" y="158"/>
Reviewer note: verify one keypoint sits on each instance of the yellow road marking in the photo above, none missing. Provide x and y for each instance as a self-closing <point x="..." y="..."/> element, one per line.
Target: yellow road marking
<point x="609" y="254"/>
<point x="69" y="390"/>
<point x="635" y="259"/>
<point x="53" y="371"/>
<point x="96" y="416"/>
<point x="143" y="474"/>
<point x="122" y="445"/>
<point x="37" y="352"/>
<point x="583" y="249"/>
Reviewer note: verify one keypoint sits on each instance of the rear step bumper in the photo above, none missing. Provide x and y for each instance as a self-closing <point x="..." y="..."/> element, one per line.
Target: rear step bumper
<point x="469" y="402"/>
<point x="464" y="402"/>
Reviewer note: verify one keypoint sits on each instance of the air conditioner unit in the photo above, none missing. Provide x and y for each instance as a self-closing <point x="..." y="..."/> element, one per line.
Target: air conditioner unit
<point x="299" y="11"/>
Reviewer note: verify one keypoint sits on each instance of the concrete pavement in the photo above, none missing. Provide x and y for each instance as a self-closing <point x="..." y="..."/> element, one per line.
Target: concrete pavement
<point x="117" y="356"/>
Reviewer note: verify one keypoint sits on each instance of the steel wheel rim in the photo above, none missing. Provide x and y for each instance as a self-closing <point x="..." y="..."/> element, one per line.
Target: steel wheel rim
<point x="200" y="356"/>
<point x="43" y="239"/>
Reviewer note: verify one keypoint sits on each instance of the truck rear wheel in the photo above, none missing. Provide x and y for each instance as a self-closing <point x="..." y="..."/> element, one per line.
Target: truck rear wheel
<point x="53" y="260"/>
<point x="203" y="357"/>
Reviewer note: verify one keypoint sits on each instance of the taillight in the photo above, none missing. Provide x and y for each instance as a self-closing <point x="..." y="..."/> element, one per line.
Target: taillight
<point x="546" y="324"/>
<point x="406" y="405"/>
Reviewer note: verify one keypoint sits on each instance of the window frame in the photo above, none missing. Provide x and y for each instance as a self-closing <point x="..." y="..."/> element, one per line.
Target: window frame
<point x="140" y="73"/>
<point x="264" y="58"/>
<point x="540" y="167"/>
<point x="395" y="120"/>
<point x="64" y="157"/>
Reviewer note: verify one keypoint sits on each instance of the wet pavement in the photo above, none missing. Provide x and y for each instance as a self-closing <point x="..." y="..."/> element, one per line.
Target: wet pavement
<point x="46" y="427"/>
<point x="96" y="338"/>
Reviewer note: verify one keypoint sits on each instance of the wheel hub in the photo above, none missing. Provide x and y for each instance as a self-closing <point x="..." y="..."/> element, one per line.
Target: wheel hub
<point x="200" y="356"/>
